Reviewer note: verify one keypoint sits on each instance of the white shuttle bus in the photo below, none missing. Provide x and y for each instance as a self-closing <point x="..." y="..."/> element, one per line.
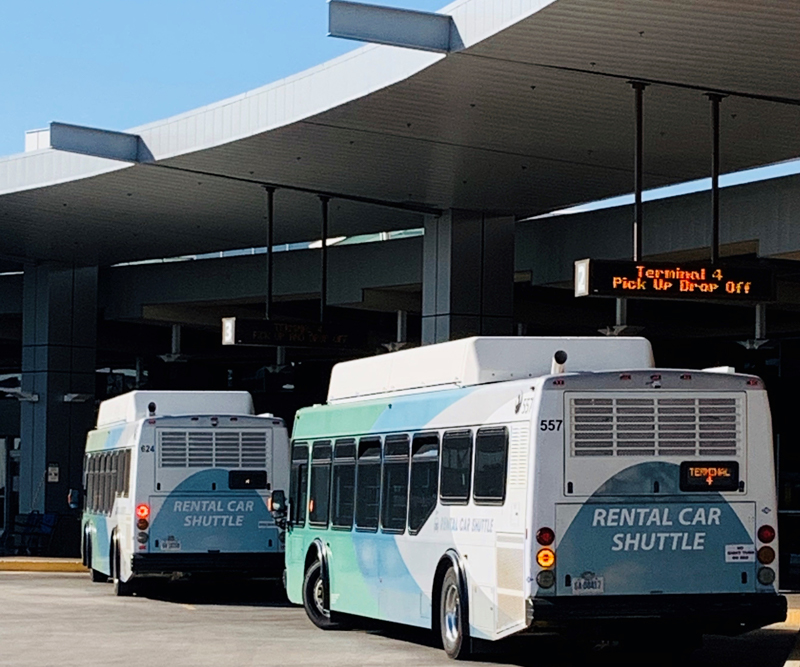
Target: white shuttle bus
<point x="488" y="487"/>
<point x="180" y="482"/>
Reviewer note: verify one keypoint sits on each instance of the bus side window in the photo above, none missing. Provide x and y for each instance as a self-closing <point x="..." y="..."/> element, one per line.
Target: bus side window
<point x="104" y="467"/>
<point x="319" y="497"/>
<point x="368" y="484"/>
<point x="344" y="484"/>
<point x="126" y="479"/>
<point x="491" y="456"/>
<point x="395" y="484"/>
<point x="456" y="467"/>
<point x="88" y="488"/>
<point x="299" y="483"/>
<point x="424" y="480"/>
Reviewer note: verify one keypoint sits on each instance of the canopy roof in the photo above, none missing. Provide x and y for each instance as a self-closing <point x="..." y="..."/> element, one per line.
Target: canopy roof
<point x="535" y="113"/>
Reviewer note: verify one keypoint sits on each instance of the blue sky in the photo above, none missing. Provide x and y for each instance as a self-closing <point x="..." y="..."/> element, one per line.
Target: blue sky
<point x="114" y="64"/>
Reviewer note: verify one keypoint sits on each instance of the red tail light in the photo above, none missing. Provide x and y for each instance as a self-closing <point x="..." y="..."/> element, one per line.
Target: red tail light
<point x="766" y="534"/>
<point x="142" y="511"/>
<point x="545" y="536"/>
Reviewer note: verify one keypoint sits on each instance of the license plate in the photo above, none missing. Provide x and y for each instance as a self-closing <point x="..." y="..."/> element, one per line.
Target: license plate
<point x="170" y="545"/>
<point x="588" y="586"/>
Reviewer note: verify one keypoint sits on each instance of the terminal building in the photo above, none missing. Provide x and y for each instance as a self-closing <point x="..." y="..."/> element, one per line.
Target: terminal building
<point x="415" y="190"/>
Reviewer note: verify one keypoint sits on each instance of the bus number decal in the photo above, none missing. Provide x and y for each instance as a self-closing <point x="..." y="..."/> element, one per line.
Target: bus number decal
<point x="148" y="449"/>
<point x="550" y="424"/>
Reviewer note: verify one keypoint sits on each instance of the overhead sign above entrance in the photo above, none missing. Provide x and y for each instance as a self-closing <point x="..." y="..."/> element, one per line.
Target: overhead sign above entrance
<point x="238" y="331"/>
<point x="663" y="280"/>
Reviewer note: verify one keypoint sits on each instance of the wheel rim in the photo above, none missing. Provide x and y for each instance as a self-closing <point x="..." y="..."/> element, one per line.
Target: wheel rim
<point x="318" y="596"/>
<point x="452" y="614"/>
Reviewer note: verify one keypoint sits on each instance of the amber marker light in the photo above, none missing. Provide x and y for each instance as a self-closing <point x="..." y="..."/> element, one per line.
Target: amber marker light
<point x="142" y="511"/>
<point x="546" y="558"/>
<point x="766" y="555"/>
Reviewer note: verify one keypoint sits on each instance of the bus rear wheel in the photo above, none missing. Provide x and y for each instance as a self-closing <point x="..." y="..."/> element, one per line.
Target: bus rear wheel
<point x="121" y="588"/>
<point x="315" y="598"/>
<point x="453" y="625"/>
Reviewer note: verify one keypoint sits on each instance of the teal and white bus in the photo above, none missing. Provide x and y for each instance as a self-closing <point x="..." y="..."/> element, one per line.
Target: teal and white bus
<point x="493" y="486"/>
<point x="179" y="483"/>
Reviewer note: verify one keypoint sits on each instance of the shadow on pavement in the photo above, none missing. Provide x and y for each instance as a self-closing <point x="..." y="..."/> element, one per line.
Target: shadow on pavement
<point x="761" y="648"/>
<point x="216" y="592"/>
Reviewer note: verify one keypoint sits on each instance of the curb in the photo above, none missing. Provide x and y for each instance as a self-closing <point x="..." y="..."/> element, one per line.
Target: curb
<point x="41" y="565"/>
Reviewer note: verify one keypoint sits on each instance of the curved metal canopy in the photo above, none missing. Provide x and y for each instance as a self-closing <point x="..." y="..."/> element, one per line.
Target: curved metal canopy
<point x="535" y="113"/>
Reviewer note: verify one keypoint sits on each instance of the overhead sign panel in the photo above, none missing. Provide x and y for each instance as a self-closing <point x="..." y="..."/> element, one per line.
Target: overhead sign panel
<point x="238" y="331"/>
<point x="665" y="280"/>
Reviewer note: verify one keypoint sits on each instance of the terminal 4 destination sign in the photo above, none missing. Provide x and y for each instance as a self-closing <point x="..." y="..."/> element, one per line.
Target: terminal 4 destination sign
<point x="663" y="280"/>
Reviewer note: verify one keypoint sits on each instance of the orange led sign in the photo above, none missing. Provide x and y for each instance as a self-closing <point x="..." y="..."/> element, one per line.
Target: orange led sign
<point x="709" y="476"/>
<point x="672" y="281"/>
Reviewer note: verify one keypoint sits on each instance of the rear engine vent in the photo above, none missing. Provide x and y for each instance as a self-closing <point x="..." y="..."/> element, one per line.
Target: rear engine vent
<point x="667" y="425"/>
<point x="212" y="449"/>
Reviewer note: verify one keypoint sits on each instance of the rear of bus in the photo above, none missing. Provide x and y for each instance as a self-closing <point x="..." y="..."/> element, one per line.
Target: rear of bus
<point x="202" y="496"/>
<point x="654" y="504"/>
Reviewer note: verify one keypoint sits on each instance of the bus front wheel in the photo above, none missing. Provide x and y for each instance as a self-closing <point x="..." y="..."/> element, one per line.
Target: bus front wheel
<point x="453" y="625"/>
<point x="315" y="597"/>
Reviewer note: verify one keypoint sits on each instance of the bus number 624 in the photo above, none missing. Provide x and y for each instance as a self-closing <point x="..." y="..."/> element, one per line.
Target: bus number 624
<point x="550" y="424"/>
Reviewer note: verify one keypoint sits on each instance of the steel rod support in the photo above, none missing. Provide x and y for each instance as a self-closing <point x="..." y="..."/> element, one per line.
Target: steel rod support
<point x="638" y="159"/>
<point x="715" y="100"/>
<point x="270" y="203"/>
<point x="323" y="296"/>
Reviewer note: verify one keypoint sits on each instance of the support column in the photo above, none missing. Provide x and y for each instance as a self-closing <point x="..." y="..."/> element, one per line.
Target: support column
<point x="467" y="276"/>
<point x="59" y="336"/>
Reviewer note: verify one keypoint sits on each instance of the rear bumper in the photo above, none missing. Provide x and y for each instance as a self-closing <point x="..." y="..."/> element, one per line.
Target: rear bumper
<point x="268" y="565"/>
<point x="724" y="613"/>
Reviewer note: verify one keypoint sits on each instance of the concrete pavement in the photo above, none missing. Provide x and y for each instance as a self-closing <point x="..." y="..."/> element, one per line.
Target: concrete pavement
<point x="62" y="619"/>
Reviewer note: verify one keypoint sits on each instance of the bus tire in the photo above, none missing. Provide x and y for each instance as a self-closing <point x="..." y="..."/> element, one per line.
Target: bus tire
<point x="96" y="576"/>
<point x="121" y="588"/>
<point x="315" y="596"/>
<point x="454" y="627"/>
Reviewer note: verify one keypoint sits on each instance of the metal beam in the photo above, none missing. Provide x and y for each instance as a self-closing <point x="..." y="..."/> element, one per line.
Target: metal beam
<point x="99" y="143"/>
<point x="323" y="291"/>
<point x="411" y="29"/>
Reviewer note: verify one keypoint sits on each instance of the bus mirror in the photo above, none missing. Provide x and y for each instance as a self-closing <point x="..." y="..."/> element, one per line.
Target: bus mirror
<point x="278" y="502"/>
<point x="74" y="499"/>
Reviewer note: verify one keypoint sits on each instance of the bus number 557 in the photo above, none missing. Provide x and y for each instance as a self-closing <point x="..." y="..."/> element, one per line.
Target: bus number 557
<point x="550" y="424"/>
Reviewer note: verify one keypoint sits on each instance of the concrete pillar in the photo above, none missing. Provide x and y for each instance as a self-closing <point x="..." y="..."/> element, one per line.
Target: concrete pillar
<point x="467" y="276"/>
<point x="59" y="336"/>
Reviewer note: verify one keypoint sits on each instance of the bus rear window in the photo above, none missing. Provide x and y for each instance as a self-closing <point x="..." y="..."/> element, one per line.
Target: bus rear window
<point x="247" y="479"/>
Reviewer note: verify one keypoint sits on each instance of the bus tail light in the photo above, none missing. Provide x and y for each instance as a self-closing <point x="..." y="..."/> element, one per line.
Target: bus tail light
<point x="545" y="536"/>
<point x="142" y="538"/>
<point x="546" y="557"/>
<point x="143" y="511"/>
<point x="142" y="524"/>
<point x="766" y="576"/>
<point x="766" y="534"/>
<point x="546" y="579"/>
<point x="766" y="555"/>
